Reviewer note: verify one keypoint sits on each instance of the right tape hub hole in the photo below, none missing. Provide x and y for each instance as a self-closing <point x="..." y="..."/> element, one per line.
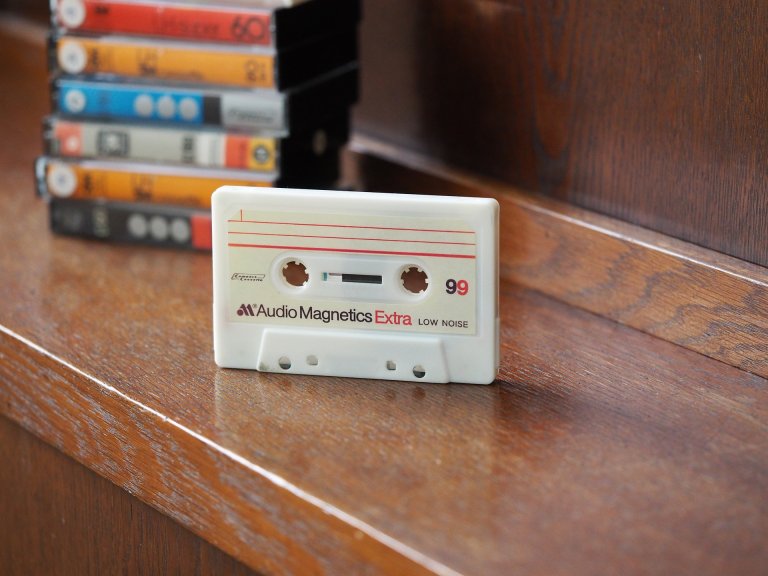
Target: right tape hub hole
<point x="414" y="279"/>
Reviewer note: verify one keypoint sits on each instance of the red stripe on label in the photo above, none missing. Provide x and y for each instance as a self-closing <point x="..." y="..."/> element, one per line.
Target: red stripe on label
<point x="69" y="137"/>
<point x="236" y="151"/>
<point x="353" y="238"/>
<point x="352" y="251"/>
<point x="201" y="231"/>
<point x="352" y="226"/>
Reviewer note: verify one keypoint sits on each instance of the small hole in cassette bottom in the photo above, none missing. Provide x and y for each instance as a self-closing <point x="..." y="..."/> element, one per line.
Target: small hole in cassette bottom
<point x="419" y="371"/>
<point x="391" y="365"/>
<point x="312" y="360"/>
<point x="284" y="362"/>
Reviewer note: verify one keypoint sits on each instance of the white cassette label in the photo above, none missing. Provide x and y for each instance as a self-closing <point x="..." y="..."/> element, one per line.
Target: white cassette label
<point x="387" y="273"/>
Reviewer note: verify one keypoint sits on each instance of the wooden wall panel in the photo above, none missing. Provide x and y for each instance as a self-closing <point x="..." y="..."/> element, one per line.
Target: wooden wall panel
<point x="653" y="112"/>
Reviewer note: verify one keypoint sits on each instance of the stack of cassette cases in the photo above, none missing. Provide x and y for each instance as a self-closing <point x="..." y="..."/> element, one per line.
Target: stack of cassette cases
<point x="156" y="104"/>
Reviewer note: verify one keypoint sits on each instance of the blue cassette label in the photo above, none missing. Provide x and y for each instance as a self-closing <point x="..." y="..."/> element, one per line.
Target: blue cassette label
<point x="130" y="102"/>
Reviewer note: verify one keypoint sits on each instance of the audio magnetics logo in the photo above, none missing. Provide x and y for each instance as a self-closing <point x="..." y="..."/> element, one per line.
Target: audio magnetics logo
<point x="245" y="310"/>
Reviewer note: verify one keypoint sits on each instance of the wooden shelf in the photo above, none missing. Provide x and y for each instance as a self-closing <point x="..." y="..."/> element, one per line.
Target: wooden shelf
<point x="600" y="448"/>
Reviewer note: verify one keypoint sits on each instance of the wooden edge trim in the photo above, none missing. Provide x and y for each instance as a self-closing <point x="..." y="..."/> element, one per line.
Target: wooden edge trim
<point x="703" y="300"/>
<point x="249" y="512"/>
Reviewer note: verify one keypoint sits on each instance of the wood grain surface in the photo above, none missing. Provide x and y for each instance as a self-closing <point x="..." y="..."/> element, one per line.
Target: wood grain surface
<point x="59" y="517"/>
<point x="600" y="449"/>
<point x="652" y="112"/>
<point x="698" y="298"/>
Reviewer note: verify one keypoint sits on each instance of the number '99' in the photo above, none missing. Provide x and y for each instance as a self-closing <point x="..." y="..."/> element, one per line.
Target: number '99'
<point x="460" y="287"/>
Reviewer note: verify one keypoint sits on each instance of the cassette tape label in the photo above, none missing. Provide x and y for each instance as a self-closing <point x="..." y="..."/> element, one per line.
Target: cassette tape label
<point x="130" y="182"/>
<point x="146" y="143"/>
<point x="210" y="23"/>
<point x="390" y="273"/>
<point x="183" y="63"/>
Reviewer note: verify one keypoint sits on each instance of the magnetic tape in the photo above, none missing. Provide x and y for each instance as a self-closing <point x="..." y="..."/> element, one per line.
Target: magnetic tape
<point x="132" y="222"/>
<point x="263" y="109"/>
<point x="194" y="63"/>
<point x="388" y="286"/>
<point x="262" y="23"/>
<point x="313" y="153"/>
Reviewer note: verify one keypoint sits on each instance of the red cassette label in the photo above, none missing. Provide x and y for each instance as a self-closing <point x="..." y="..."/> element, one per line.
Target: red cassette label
<point x="169" y="20"/>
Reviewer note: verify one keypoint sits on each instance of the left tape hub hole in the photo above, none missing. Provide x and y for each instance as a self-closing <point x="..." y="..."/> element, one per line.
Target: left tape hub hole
<point x="295" y="273"/>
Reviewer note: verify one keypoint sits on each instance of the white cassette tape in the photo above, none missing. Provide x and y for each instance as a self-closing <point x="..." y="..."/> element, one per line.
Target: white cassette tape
<point x="356" y="284"/>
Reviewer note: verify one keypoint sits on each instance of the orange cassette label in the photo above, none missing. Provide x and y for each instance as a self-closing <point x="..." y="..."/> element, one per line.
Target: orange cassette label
<point x="82" y="181"/>
<point x="252" y="153"/>
<point x="170" y="62"/>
